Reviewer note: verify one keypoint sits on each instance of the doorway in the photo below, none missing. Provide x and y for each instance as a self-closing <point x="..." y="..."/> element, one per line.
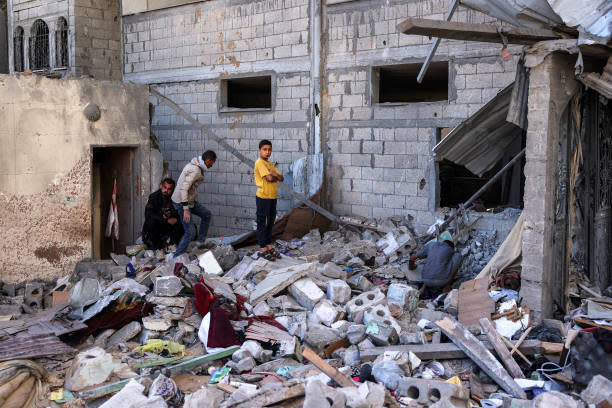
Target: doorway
<point x="110" y="164"/>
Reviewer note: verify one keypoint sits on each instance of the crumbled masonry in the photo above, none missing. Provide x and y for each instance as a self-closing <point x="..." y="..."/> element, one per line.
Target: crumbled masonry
<point x="337" y="322"/>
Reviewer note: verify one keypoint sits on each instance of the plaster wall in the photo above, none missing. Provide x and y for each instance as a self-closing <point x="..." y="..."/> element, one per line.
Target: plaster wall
<point x="378" y="160"/>
<point x="45" y="167"/>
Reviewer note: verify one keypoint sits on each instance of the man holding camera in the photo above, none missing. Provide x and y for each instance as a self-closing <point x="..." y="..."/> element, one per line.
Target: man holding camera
<point x="162" y="226"/>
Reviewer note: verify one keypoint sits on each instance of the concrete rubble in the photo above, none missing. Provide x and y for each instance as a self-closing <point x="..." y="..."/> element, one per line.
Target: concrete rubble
<point x="342" y="324"/>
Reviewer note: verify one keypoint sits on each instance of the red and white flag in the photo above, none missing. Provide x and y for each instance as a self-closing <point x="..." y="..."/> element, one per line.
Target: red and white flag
<point x="112" y="225"/>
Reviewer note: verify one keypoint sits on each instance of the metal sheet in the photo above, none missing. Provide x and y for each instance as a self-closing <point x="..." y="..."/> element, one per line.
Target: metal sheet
<point x="481" y="140"/>
<point x="522" y="13"/>
<point x="594" y="16"/>
<point x="31" y="346"/>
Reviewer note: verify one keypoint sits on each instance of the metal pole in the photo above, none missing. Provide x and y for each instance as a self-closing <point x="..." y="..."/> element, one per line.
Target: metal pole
<point x="434" y="47"/>
<point x="478" y="193"/>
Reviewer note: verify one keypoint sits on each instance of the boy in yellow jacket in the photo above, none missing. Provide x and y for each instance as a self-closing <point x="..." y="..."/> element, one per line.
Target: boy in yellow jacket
<point x="266" y="179"/>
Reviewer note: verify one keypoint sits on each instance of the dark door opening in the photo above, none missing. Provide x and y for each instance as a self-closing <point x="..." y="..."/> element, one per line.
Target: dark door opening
<point x="108" y="164"/>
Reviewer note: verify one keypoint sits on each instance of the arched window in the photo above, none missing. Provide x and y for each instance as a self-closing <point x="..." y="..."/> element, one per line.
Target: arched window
<point x="61" y="43"/>
<point x="39" y="45"/>
<point x="18" y="60"/>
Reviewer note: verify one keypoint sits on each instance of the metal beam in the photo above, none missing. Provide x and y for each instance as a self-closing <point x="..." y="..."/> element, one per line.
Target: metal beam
<point x="434" y="46"/>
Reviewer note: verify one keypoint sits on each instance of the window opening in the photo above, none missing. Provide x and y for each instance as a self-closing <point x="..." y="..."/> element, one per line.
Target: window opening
<point x="61" y="43"/>
<point x="457" y="184"/>
<point x="247" y="93"/>
<point x="18" y="60"/>
<point x="398" y="84"/>
<point x="39" y="45"/>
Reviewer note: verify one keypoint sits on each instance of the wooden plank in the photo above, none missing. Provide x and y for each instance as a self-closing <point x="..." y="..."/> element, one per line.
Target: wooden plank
<point x="475" y="32"/>
<point x="500" y="348"/>
<point x="39" y="345"/>
<point x="521" y="355"/>
<point x="588" y="323"/>
<point x="480" y="355"/>
<point x="474" y="302"/>
<point x="226" y="388"/>
<point x="331" y="372"/>
<point x="449" y="351"/>
<point x="211" y="135"/>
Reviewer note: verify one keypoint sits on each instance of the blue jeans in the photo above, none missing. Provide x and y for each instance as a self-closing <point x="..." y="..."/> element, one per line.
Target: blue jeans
<point x="189" y="228"/>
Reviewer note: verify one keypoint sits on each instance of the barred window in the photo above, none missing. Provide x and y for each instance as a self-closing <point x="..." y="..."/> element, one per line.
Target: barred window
<point x="39" y="45"/>
<point x="61" y="43"/>
<point x="18" y="60"/>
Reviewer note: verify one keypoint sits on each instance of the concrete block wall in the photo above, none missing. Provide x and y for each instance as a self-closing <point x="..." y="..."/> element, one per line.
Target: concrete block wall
<point x="551" y="86"/>
<point x="98" y="39"/>
<point x="23" y="13"/>
<point x="379" y="155"/>
<point x="185" y="51"/>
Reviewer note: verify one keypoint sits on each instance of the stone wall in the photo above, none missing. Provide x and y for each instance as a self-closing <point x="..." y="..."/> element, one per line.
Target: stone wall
<point x="45" y="167"/>
<point x="378" y="160"/>
<point x="551" y="86"/>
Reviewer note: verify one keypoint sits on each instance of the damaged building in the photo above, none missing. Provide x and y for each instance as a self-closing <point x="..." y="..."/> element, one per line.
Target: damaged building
<point x="464" y="137"/>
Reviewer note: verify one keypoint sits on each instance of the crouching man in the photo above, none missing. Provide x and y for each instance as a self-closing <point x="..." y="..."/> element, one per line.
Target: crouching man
<point x="185" y="203"/>
<point x="441" y="265"/>
<point x="161" y="226"/>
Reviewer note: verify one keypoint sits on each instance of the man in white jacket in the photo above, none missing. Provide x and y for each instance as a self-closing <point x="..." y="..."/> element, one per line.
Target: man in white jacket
<point x="184" y="199"/>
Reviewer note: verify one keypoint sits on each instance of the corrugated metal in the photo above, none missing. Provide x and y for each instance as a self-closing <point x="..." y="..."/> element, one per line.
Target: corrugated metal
<point x="481" y="140"/>
<point x="594" y="16"/>
<point x="522" y="13"/>
<point x="28" y="346"/>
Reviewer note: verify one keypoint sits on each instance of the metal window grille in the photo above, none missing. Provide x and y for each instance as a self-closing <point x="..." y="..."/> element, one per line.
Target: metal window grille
<point x="61" y="43"/>
<point x="39" y="45"/>
<point x="18" y="50"/>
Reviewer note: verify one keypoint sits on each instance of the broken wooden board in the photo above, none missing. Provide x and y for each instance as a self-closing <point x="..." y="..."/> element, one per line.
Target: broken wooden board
<point x="474" y="302"/>
<point x="500" y="348"/>
<point x="46" y="321"/>
<point x="480" y="355"/>
<point x="279" y="279"/>
<point x="587" y="323"/>
<point x="27" y="346"/>
<point x="330" y="371"/>
<point x="475" y="32"/>
<point x="449" y="351"/>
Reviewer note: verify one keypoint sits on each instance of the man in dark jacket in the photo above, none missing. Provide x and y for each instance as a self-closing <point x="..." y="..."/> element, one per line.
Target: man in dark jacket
<point x="161" y="219"/>
<point x="441" y="265"/>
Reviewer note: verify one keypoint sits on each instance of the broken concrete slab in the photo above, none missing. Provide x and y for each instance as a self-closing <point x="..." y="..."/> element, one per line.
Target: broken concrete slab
<point x="331" y="270"/>
<point x="338" y="291"/>
<point x="209" y="264"/>
<point x="403" y="294"/>
<point x="126" y="333"/>
<point x="277" y="280"/>
<point x="168" y="286"/>
<point x="131" y="397"/>
<point x="306" y="293"/>
<point x="156" y="323"/>
<point x="327" y="313"/>
<point x="598" y="391"/>
<point x="206" y="397"/>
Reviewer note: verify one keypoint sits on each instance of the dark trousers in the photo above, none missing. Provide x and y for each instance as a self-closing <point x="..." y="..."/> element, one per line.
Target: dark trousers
<point x="266" y="214"/>
<point x="155" y="233"/>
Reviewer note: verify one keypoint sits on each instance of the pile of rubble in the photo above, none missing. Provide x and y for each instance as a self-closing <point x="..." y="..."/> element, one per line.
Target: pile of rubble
<point x="337" y="321"/>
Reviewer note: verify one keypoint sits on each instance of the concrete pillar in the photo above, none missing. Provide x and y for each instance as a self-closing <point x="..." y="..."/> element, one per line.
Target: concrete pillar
<point x="551" y="86"/>
<point x="4" y="38"/>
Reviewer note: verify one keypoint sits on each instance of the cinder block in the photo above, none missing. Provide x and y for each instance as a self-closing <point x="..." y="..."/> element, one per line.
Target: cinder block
<point x="363" y="301"/>
<point x="306" y="293"/>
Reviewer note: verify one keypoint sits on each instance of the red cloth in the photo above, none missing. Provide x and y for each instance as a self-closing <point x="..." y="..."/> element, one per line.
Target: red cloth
<point x="221" y="332"/>
<point x="203" y="298"/>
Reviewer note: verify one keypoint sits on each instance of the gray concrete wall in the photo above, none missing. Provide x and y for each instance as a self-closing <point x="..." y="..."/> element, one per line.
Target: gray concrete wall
<point x="45" y="167"/>
<point x="378" y="157"/>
